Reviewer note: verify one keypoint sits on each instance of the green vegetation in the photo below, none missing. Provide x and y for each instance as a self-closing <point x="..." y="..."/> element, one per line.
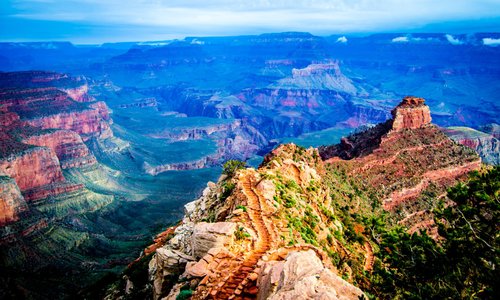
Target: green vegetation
<point x="242" y="207"/>
<point x="463" y="266"/>
<point x="227" y="189"/>
<point x="231" y="166"/>
<point x="241" y="234"/>
<point x="184" y="295"/>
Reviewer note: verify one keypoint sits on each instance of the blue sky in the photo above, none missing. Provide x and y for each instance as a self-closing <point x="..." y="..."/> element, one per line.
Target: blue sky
<point x="96" y="21"/>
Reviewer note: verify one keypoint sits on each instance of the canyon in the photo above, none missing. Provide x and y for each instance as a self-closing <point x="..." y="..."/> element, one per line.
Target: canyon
<point x="59" y="199"/>
<point x="94" y="166"/>
<point x="247" y="235"/>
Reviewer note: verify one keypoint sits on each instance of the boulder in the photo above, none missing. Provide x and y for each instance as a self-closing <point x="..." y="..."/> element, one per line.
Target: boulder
<point x="210" y="235"/>
<point x="302" y="275"/>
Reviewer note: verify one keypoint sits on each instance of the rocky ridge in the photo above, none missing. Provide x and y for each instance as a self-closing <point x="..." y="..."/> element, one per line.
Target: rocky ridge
<point x="276" y="232"/>
<point x="402" y="158"/>
<point x="44" y="120"/>
<point x="485" y="144"/>
<point x="238" y="235"/>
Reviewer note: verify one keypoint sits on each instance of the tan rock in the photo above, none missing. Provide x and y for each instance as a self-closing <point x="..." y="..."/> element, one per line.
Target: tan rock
<point x="411" y="113"/>
<point x="165" y="263"/>
<point x="303" y="276"/>
<point x="267" y="189"/>
<point x="199" y="269"/>
<point x="210" y="235"/>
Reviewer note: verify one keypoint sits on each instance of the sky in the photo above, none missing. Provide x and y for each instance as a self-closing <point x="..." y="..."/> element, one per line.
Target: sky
<point x="97" y="21"/>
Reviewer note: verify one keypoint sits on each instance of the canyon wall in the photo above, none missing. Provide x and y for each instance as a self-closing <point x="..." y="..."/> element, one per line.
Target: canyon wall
<point x="33" y="168"/>
<point x="12" y="203"/>
<point x="68" y="146"/>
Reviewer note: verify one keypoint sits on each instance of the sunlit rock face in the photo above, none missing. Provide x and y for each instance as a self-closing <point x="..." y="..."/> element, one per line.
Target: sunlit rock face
<point x="12" y="202"/>
<point x="411" y="113"/>
<point x="45" y="118"/>
<point x="487" y="145"/>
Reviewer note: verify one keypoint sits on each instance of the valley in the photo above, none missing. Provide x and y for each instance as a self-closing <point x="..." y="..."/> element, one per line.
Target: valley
<point x="101" y="151"/>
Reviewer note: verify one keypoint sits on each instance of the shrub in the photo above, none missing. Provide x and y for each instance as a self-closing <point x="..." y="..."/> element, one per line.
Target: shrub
<point x="184" y="295"/>
<point x="231" y="166"/>
<point x="241" y="234"/>
<point x="227" y="189"/>
<point x="242" y="207"/>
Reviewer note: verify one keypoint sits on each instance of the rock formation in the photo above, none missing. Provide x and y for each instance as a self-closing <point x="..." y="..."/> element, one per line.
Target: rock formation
<point x="235" y="241"/>
<point x="302" y="275"/>
<point x="411" y="113"/>
<point x="32" y="168"/>
<point x="274" y="232"/>
<point x="402" y="158"/>
<point x="12" y="203"/>
<point x="68" y="146"/>
<point x="44" y="120"/>
<point x="486" y="145"/>
<point x="320" y="76"/>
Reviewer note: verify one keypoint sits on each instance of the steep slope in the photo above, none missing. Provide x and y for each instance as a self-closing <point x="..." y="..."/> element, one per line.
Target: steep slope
<point x="247" y="235"/>
<point x="44" y="119"/>
<point x="403" y="159"/>
<point x="76" y="205"/>
<point x="35" y="105"/>
<point x="486" y="145"/>
<point x="253" y="226"/>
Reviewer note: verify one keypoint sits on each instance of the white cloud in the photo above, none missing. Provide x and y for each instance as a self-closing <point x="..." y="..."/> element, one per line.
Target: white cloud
<point x="226" y="17"/>
<point x="342" y="39"/>
<point x="400" y="39"/>
<point x="491" y="42"/>
<point x="453" y="40"/>
<point x="334" y="15"/>
<point x="197" y="42"/>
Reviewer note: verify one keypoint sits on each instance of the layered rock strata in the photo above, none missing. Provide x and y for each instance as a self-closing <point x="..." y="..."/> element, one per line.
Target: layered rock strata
<point x="12" y="203"/>
<point x="235" y="239"/>
<point x="411" y="113"/>
<point x="402" y="158"/>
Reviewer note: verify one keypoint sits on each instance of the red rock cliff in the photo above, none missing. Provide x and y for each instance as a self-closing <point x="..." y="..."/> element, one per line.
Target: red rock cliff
<point x="11" y="201"/>
<point x="68" y="146"/>
<point x="411" y="113"/>
<point x="32" y="168"/>
<point x="87" y="123"/>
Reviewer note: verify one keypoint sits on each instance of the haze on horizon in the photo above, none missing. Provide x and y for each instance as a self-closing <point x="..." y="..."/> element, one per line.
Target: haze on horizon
<point x="97" y="21"/>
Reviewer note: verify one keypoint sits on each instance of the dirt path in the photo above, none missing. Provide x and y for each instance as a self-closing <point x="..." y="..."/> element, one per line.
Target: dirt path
<point x="369" y="258"/>
<point x="236" y="287"/>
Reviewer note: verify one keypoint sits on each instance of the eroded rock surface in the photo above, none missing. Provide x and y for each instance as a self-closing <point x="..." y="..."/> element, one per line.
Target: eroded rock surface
<point x="302" y="275"/>
<point x="411" y="113"/>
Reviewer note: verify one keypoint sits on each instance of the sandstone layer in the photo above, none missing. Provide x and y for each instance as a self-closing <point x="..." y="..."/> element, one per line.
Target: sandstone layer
<point x="411" y="113"/>
<point x="12" y="203"/>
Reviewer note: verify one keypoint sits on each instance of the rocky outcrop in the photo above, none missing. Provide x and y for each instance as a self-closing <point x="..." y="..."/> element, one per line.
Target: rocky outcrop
<point x="32" y="168"/>
<point x="12" y="203"/>
<point x="87" y="123"/>
<point x="320" y="76"/>
<point x="403" y="158"/>
<point x="211" y="235"/>
<point x="67" y="145"/>
<point x="486" y="145"/>
<point x="302" y="275"/>
<point x="79" y="93"/>
<point x="411" y="113"/>
<point x="240" y="228"/>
